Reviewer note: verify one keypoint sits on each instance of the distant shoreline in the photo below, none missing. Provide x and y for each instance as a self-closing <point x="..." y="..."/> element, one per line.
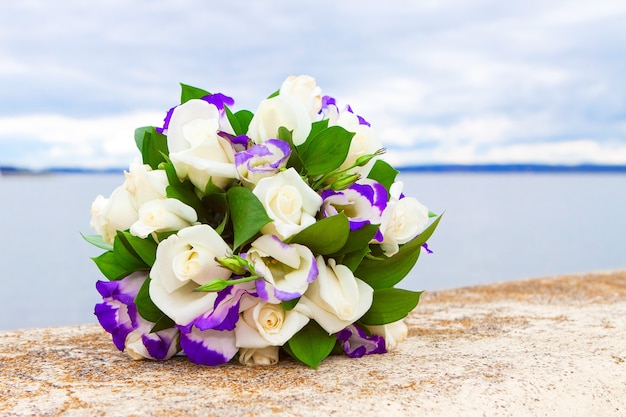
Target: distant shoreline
<point x="433" y="169"/>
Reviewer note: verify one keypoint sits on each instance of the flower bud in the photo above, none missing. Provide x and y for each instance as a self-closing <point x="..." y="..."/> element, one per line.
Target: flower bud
<point x="344" y="181"/>
<point x="234" y="263"/>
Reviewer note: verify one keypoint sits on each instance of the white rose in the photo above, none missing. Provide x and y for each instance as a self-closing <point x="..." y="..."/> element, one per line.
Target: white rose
<point x="304" y="89"/>
<point x="364" y="142"/>
<point x="402" y="220"/>
<point x="289" y="202"/>
<point x="164" y="215"/>
<point x="264" y="324"/>
<point x="393" y="333"/>
<point x="336" y="298"/>
<point x="259" y="357"/>
<point x="196" y="149"/>
<point x="185" y="261"/>
<point x="281" y="110"/>
<point x="108" y="215"/>
<point x="144" y="184"/>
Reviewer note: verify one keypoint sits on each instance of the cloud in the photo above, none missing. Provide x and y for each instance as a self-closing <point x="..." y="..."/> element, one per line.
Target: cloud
<point x="477" y="79"/>
<point x="53" y="140"/>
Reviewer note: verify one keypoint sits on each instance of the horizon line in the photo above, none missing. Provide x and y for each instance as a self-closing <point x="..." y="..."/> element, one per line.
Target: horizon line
<point x="426" y="168"/>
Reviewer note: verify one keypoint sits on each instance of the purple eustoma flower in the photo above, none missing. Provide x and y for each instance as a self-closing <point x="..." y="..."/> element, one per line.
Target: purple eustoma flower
<point x="363" y="203"/>
<point x="209" y="339"/>
<point x="208" y="347"/>
<point x="356" y="343"/>
<point x="287" y="269"/>
<point x="118" y="315"/>
<point x="263" y="160"/>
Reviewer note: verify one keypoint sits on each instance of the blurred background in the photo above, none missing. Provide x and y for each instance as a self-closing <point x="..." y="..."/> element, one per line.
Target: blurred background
<point x="473" y="82"/>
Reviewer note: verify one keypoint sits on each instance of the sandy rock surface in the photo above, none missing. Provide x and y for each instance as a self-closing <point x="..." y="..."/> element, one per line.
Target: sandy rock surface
<point x="550" y="346"/>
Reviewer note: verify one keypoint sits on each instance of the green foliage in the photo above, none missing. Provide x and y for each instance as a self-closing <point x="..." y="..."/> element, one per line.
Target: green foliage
<point x="239" y="121"/>
<point x="383" y="173"/>
<point x="188" y="92"/>
<point x="182" y="190"/>
<point x="386" y="272"/>
<point x="108" y="264"/>
<point x="145" y="307"/>
<point x="389" y="305"/>
<point x="294" y="159"/>
<point x="247" y="214"/>
<point x="311" y="344"/>
<point x="326" y="236"/>
<point x="325" y="151"/>
<point x="152" y="145"/>
<point x="97" y="241"/>
<point x="144" y="249"/>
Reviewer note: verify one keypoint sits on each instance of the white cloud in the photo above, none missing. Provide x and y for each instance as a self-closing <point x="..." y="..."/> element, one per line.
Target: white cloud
<point x="460" y="79"/>
<point x="96" y="142"/>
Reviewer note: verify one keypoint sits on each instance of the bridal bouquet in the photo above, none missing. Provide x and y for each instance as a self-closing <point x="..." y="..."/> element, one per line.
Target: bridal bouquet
<point x="255" y="235"/>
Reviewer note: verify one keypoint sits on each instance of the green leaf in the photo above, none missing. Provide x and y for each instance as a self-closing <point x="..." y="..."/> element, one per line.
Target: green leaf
<point x="243" y="117"/>
<point x="359" y="239"/>
<point x="144" y="248"/>
<point x="311" y="344"/>
<point x="125" y="255"/>
<point x="326" y="151"/>
<point x="247" y="214"/>
<point x="387" y="272"/>
<point x="289" y="305"/>
<point x="353" y="259"/>
<point x="182" y="190"/>
<point x="383" y="173"/>
<point x="428" y="232"/>
<point x="274" y="94"/>
<point x="326" y="236"/>
<point x="234" y="122"/>
<point x="216" y="208"/>
<point x="140" y="133"/>
<point x="98" y="242"/>
<point x="145" y="306"/>
<point x="211" y="188"/>
<point x="316" y="128"/>
<point x="294" y="159"/>
<point x="109" y="266"/>
<point x="389" y="305"/>
<point x="153" y="146"/>
<point x="163" y="323"/>
<point x="188" y="92"/>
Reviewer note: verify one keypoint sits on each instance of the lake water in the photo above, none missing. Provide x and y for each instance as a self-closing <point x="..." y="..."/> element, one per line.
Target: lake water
<point x="496" y="227"/>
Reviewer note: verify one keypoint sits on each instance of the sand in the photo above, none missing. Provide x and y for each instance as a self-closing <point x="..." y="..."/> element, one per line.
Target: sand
<point x="552" y="346"/>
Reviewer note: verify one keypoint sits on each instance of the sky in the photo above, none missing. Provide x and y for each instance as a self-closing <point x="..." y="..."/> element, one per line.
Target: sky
<point x="461" y="82"/>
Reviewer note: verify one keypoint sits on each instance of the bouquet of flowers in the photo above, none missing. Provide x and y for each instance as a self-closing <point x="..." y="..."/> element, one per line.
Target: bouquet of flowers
<point x="250" y="235"/>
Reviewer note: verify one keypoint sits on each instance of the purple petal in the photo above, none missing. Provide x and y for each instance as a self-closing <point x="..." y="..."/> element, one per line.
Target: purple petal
<point x="117" y="319"/>
<point x="166" y="121"/>
<point x="117" y="314"/>
<point x="362" y="121"/>
<point x="328" y="101"/>
<point x="225" y="313"/>
<point x="158" y="344"/>
<point x="117" y="291"/>
<point x="219" y="100"/>
<point x="262" y="289"/>
<point x="356" y="342"/>
<point x="313" y="272"/>
<point x="425" y="246"/>
<point x="209" y="347"/>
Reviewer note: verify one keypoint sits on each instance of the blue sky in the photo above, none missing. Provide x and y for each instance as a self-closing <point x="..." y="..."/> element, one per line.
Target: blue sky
<point x="476" y="81"/>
